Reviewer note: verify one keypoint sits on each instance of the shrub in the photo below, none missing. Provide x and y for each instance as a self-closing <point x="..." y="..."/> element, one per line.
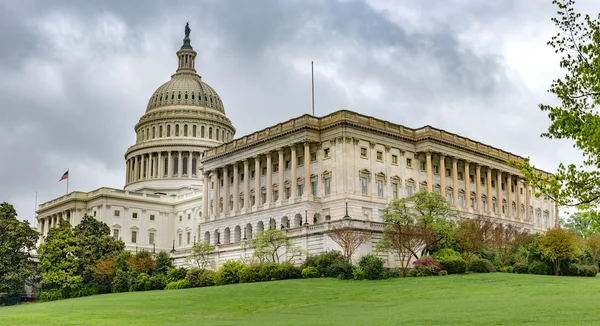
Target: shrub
<point x="393" y="273"/>
<point x="121" y="281"/>
<point x="506" y="269"/>
<point x="480" y="265"/>
<point x="310" y="272"/>
<point x="358" y="273"/>
<point x="176" y="274"/>
<point x="141" y="283"/>
<point x="229" y="273"/>
<point x="250" y="273"/>
<point x="207" y="278"/>
<point x="341" y="269"/>
<point x="412" y="273"/>
<point x="83" y="291"/>
<point x="426" y="266"/>
<point x="539" y="268"/>
<point x="445" y="253"/>
<point x="588" y="270"/>
<point x="199" y="277"/>
<point x="177" y="285"/>
<point x="372" y="267"/>
<point x="269" y="272"/>
<point x="454" y="265"/>
<point x="287" y="271"/>
<point x="51" y="295"/>
<point x="157" y="282"/>
<point x="323" y="261"/>
<point x="443" y="273"/>
<point x="520" y="268"/>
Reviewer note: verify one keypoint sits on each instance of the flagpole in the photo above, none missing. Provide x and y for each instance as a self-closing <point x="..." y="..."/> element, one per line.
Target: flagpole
<point x="312" y="75"/>
<point x="67" y="182"/>
<point x="35" y="211"/>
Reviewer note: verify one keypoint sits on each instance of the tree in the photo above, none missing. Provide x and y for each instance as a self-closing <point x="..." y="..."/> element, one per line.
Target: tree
<point x="104" y="271"/>
<point x="349" y="238"/>
<point x="505" y="240"/>
<point x="575" y="116"/>
<point x="593" y="245"/>
<point x="473" y="235"/>
<point x="17" y="239"/>
<point x="558" y="245"/>
<point x="271" y="245"/>
<point x="141" y="262"/>
<point x="59" y="266"/>
<point x="200" y="256"/>
<point x="583" y="224"/>
<point x="163" y="263"/>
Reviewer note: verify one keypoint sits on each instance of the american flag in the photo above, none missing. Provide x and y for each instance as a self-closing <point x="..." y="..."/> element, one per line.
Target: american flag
<point x="64" y="176"/>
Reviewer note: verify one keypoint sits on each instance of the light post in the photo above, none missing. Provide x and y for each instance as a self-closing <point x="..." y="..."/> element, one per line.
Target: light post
<point x="305" y="217"/>
<point x="173" y="250"/>
<point x="346" y="219"/>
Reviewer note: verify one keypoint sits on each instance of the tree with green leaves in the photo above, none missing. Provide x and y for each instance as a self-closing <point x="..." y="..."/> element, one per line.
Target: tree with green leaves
<point x="17" y="239"/>
<point x="200" y="256"/>
<point x="270" y="246"/>
<point x="582" y="223"/>
<point x="575" y="116"/>
<point x="558" y="245"/>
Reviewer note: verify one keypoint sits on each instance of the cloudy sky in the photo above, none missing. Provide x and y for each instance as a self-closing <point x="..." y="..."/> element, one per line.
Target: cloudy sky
<point x="75" y="76"/>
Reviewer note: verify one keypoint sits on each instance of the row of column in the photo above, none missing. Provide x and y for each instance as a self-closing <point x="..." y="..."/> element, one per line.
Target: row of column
<point x="478" y="191"/>
<point x="214" y="185"/>
<point x="51" y="221"/>
<point x="158" y="165"/>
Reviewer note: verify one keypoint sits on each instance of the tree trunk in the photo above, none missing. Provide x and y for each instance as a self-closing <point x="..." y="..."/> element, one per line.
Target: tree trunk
<point x="556" y="266"/>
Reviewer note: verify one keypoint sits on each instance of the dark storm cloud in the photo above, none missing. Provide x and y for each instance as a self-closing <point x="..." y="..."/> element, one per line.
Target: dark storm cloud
<point x="75" y="76"/>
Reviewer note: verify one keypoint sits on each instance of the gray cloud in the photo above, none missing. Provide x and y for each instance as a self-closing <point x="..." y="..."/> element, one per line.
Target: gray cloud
<point x="75" y="76"/>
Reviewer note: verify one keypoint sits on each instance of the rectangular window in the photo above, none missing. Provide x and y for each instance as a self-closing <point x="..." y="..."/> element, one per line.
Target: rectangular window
<point x="422" y="166"/>
<point x="252" y="174"/>
<point x="482" y="180"/>
<point x="313" y="187"/>
<point x="189" y="216"/>
<point x="460" y="175"/>
<point x="409" y="190"/>
<point x="179" y="238"/>
<point x="327" y="186"/>
<point x="313" y="157"/>
<point x="436" y="169"/>
<point x="394" y="159"/>
<point x="379" y="156"/>
<point x="409" y="162"/>
<point x="493" y="184"/>
<point x="117" y="213"/>
<point x="326" y="153"/>
<point x="380" y="188"/>
<point x="189" y="234"/>
<point x="503" y="186"/>
<point x="231" y="179"/>
<point x="395" y="190"/>
<point x="363" y="185"/>
<point x="263" y="198"/>
<point x="471" y="178"/>
<point x="288" y="164"/>
<point x="461" y="200"/>
<point x="151" y="237"/>
<point x="448" y="172"/>
<point x="300" y="160"/>
<point x="242" y="177"/>
<point x="180" y="218"/>
<point x="116" y="234"/>
<point x="363" y="152"/>
<point x="133" y="236"/>
<point x="288" y="193"/>
<point x="152" y="217"/>
<point x="276" y="167"/>
<point x="300" y="190"/>
<point x="264" y="171"/>
<point x="221" y="182"/>
<point x="134" y="215"/>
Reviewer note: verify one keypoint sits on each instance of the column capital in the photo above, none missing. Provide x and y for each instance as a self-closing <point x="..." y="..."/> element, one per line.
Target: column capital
<point x="454" y="159"/>
<point x="332" y="141"/>
<point x="280" y="150"/>
<point x="387" y="148"/>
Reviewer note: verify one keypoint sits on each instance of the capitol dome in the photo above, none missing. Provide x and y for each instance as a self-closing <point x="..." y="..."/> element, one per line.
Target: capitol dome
<point x="184" y="117"/>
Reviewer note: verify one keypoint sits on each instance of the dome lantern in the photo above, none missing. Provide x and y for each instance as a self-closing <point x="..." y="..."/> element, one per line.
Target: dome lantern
<point x="186" y="55"/>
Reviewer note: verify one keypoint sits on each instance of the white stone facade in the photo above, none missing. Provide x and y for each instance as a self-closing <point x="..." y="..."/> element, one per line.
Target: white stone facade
<point x="188" y="179"/>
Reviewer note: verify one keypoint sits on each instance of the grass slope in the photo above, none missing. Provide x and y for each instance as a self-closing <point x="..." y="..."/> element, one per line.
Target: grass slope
<point x="478" y="299"/>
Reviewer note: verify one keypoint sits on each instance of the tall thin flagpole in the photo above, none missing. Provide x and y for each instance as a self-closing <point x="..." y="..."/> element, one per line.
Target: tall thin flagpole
<point x="68" y="182"/>
<point x="35" y="211"/>
<point x="312" y="75"/>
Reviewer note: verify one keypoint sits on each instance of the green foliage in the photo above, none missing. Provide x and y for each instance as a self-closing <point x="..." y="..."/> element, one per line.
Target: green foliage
<point x="59" y="266"/>
<point x="229" y="273"/>
<point x="121" y="281"/>
<point x="573" y="269"/>
<point x="310" y="272"/>
<point x="141" y="283"/>
<point x="178" y="285"/>
<point x="521" y="268"/>
<point x="358" y="273"/>
<point x="83" y="291"/>
<point x="506" y="269"/>
<point x="480" y="265"/>
<point x="271" y="246"/>
<point x="163" y="263"/>
<point x="158" y="281"/>
<point x="393" y="273"/>
<point x="372" y="267"/>
<point x="445" y="253"/>
<point x="17" y="239"/>
<point x="250" y="273"/>
<point x="583" y="224"/>
<point x="200" y="277"/>
<point x="201" y="253"/>
<point x="323" y="260"/>
<point x="340" y="269"/>
<point x="176" y="274"/>
<point x="50" y="295"/>
<point x="539" y="268"/>
<point x="287" y="271"/>
<point x="454" y="265"/>
<point x="558" y="245"/>
<point x="443" y="273"/>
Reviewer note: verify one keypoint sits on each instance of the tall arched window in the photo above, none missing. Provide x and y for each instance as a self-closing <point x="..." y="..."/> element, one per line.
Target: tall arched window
<point x="176" y="130"/>
<point x="168" y="130"/>
<point x="217" y="133"/>
<point x="209" y="132"/>
<point x="194" y="166"/>
<point x="166" y="169"/>
<point x="185" y="130"/>
<point x="175" y="165"/>
<point x="153" y="132"/>
<point x="223" y="135"/>
<point x="202" y="131"/>
<point x="184" y="165"/>
<point x="160" y="131"/>
<point x="147" y="133"/>
<point x="194" y="131"/>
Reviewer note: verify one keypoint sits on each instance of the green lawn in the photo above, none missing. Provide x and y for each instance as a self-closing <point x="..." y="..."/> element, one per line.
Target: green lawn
<point x="498" y="299"/>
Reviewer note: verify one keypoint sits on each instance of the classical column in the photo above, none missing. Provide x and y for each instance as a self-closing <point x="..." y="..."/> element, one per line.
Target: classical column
<point x="307" y="184"/>
<point x="215" y="196"/>
<point x="269" y="178"/>
<point x="205" y="186"/>
<point x="508" y="195"/>
<point x="169" y="166"/>
<point x="126" y="175"/>
<point x="499" y="191"/>
<point x="293" y="175"/>
<point x="147" y="166"/>
<point x="455" y="180"/>
<point x="478" y="187"/>
<point x="246" y="184"/>
<point x="528" y="203"/>
<point x="142" y="167"/>
<point x="467" y="178"/>
<point x="161" y="169"/>
<point x="179" y="166"/>
<point x="518" y="195"/>
<point x="443" y="175"/>
<point x="429" y="171"/>
<point x="226" y="189"/>
<point x="236" y="187"/>
<point x="489" y="190"/>
<point x="257" y="180"/>
<point x="280" y="151"/>
<point x="189" y="167"/>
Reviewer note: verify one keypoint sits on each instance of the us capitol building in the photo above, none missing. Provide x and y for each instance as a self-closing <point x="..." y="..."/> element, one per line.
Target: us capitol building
<point x="188" y="179"/>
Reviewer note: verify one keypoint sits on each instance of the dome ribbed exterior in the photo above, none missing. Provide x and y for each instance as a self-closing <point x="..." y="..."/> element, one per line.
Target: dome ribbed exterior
<point x="185" y="89"/>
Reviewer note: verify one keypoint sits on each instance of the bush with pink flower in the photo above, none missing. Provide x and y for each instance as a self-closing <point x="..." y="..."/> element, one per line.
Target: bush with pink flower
<point x="426" y="266"/>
